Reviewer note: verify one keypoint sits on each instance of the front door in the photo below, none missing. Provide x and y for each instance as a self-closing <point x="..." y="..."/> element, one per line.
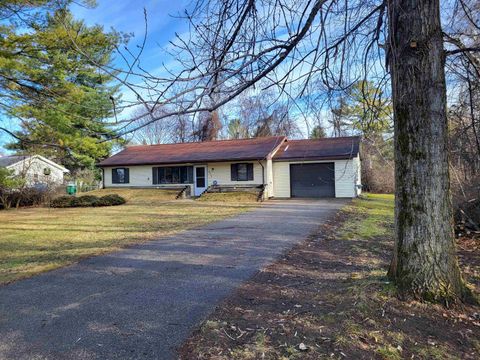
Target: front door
<point x="200" y="180"/>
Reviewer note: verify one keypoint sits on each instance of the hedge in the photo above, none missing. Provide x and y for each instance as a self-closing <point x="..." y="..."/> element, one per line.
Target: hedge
<point x="26" y="197"/>
<point x="87" y="201"/>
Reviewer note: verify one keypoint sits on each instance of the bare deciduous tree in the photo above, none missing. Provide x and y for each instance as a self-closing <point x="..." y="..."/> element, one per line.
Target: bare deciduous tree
<point x="311" y="49"/>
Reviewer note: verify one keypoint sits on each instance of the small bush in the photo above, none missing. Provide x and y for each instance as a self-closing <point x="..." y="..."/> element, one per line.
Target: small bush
<point x="111" y="200"/>
<point x="87" y="201"/>
<point x="63" y="202"/>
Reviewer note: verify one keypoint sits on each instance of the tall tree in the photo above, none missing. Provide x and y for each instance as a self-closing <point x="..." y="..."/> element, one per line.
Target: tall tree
<point x="60" y="99"/>
<point x="339" y="121"/>
<point x="236" y="129"/>
<point x="322" y="47"/>
<point x="424" y="262"/>
<point x="318" y="132"/>
<point x="208" y="127"/>
<point x="264" y="114"/>
<point x="369" y="109"/>
<point x="159" y="132"/>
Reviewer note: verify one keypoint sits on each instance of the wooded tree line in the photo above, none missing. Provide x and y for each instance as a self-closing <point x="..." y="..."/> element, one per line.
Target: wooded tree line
<point x="254" y="115"/>
<point x="362" y="110"/>
<point x="315" y="55"/>
<point x="463" y="69"/>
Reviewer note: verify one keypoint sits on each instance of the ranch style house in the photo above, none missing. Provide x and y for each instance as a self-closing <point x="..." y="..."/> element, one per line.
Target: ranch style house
<point x="281" y="168"/>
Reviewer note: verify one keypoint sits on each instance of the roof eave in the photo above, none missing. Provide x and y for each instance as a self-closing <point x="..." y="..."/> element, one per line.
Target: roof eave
<point x="314" y="158"/>
<point x="180" y="162"/>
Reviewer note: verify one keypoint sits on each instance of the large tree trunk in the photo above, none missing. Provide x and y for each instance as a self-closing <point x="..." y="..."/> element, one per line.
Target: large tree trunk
<point x="424" y="263"/>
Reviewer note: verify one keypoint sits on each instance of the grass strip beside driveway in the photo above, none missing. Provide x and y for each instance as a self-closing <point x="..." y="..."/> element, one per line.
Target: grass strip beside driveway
<point x="329" y="298"/>
<point x="34" y="240"/>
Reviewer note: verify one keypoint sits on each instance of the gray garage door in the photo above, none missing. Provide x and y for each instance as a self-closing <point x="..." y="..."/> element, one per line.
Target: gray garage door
<point x="312" y="180"/>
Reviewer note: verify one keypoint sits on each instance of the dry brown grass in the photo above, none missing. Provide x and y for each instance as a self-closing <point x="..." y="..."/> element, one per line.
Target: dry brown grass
<point x="230" y="197"/>
<point x="34" y="240"/>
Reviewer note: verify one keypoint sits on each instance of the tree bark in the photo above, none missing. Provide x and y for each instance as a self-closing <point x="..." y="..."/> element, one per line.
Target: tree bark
<point x="424" y="263"/>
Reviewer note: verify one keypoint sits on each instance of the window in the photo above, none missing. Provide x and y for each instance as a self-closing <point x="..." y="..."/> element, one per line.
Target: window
<point x="120" y="176"/>
<point x="242" y="172"/>
<point x="173" y="175"/>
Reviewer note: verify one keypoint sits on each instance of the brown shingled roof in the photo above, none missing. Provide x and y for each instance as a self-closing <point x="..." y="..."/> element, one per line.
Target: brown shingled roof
<point x="318" y="149"/>
<point x="195" y="152"/>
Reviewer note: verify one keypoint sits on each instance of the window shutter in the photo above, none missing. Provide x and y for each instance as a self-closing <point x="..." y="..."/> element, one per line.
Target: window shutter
<point x="234" y="172"/>
<point x="127" y="175"/>
<point x="114" y="176"/>
<point x="161" y="175"/>
<point x="190" y="174"/>
<point x="250" y="171"/>
<point x="155" y="175"/>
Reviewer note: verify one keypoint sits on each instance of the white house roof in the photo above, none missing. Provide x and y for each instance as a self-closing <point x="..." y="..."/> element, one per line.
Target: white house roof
<point x="10" y="160"/>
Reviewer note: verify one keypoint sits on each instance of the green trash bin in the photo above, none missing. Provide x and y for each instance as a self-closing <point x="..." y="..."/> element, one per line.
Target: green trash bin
<point x="71" y="189"/>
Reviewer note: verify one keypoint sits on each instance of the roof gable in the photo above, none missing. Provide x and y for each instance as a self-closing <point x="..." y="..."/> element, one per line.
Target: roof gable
<point x="50" y="162"/>
<point x="196" y="152"/>
<point x="11" y="160"/>
<point x="7" y="161"/>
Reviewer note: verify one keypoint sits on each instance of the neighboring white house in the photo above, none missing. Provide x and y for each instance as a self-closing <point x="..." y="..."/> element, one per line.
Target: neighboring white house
<point x="35" y="169"/>
<point x="327" y="167"/>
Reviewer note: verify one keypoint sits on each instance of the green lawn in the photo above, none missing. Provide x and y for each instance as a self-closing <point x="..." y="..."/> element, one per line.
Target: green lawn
<point x="34" y="240"/>
<point x="376" y="219"/>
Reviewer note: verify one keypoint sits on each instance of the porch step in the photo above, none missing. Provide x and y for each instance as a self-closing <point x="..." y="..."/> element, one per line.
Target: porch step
<point x="256" y="189"/>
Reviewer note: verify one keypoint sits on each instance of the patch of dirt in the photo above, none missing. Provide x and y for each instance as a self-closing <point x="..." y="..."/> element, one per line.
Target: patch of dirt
<point x="329" y="298"/>
<point x="469" y="257"/>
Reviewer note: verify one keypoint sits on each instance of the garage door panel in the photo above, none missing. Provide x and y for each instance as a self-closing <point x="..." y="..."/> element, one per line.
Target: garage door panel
<point x="312" y="180"/>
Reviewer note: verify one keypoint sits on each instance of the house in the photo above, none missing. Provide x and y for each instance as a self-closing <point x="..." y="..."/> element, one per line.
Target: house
<point x="327" y="167"/>
<point x="36" y="169"/>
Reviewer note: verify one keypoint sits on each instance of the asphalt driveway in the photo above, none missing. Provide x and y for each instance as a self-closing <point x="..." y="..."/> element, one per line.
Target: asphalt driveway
<point x="142" y="302"/>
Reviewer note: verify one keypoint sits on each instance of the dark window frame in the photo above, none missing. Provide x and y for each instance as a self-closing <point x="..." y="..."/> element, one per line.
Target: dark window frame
<point x="247" y="176"/>
<point x="126" y="176"/>
<point x="200" y="180"/>
<point x="182" y="174"/>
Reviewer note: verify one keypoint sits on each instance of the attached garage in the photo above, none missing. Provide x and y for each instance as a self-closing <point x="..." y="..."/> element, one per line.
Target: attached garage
<point x="323" y="168"/>
<point x="312" y="180"/>
<point x="282" y="168"/>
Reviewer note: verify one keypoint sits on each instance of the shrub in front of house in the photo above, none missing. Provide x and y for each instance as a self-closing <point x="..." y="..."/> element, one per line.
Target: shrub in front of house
<point x="87" y="201"/>
<point x="111" y="200"/>
<point x="28" y="196"/>
<point x="63" y="202"/>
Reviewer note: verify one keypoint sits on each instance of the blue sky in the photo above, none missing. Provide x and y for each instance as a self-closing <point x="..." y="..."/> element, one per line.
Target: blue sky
<point x="128" y="16"/>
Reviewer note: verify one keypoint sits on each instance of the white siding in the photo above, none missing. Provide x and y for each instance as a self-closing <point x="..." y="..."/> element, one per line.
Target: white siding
<point x="269" y="191"/>
<point x="277" y="176"/>
<point x="358" y="164"/>
<point x="221" y="172"/>
<point x="281" y="179"/>
<point x="141" y="175"/>
<point x="32" y="169"/>
<point x="347" y="176"/>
